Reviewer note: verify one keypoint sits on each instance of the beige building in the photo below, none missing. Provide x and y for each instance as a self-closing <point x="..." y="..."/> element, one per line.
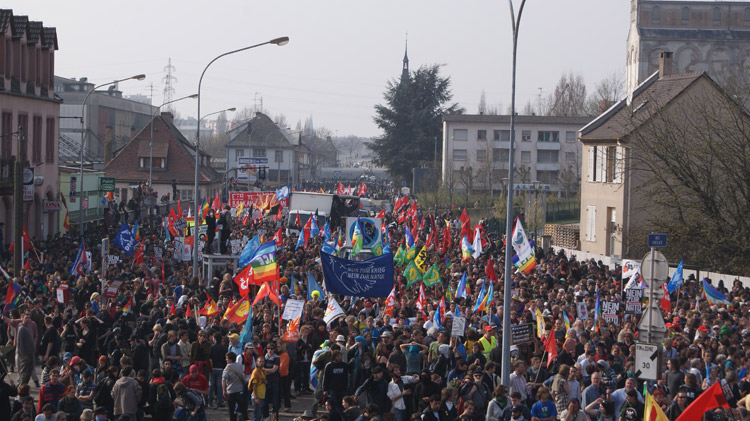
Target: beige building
<point x="705" y="36"/>
<point x="28" y="103"/>
<point x="476" y="147"/>
<point x="616" y="202"/>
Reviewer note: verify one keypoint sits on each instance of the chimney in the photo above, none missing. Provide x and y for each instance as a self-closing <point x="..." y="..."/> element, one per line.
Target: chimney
<point x="257" y="113"/>
<point x="166" y="115"/>
<point x="603" y="105"/>
<point x="665" y="64"/>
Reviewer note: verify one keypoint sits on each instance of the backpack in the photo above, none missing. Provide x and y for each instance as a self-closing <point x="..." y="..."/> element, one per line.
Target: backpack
<point x="195" y="401"/>
<point x="164" y="397"/>
<point x="103" y="392"/>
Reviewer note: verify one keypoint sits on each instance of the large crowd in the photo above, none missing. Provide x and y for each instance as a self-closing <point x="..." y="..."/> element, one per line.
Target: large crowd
<point x="134" y="343"/>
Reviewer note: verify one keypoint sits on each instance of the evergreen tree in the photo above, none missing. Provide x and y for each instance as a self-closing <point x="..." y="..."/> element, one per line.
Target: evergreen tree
<point x="411" y="120"/>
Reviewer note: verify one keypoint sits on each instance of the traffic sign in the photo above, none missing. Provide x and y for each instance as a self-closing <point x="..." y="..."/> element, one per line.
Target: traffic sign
<point x="661" y="269"/>
<point x="647" y="361"/>
<point x="657" y="240"/>
<point x="107" y="184"/>
<point x="657" y="328"/>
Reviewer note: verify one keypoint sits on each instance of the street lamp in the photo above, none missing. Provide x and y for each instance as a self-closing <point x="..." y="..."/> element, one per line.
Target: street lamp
<point x="276" y="41"/>
<point x="505" y="379"/>
<point x="151" y="139"/>
<point x="83" y="138"/>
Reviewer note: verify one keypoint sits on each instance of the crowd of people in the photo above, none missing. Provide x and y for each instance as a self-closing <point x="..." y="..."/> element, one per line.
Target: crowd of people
<point x="140" y="340"/>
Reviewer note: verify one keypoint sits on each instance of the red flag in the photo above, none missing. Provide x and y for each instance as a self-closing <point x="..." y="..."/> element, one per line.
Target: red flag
<point x="188" y="313"/>
<point x="179" y="208"/>
<point x="551" y="347"/>
<point x="298" y="222"/>
<point x="467" y="231"/>
<point x="362" y="190"/>
<point x="447" y="243"/>
<point x="390" y="302"/>
<point x="464" y="218"/>
<point x="266" y="291"/>
<point x="340" y="189"/>
<point x="401" y="201"/>
<point x="421" y="301"/>
<point x="666" y="304"/>
<point x="401" y="217"/>
<point x="27" y="244"/>
<point x="711" y="398"/>
<point x="172" y="311"/>
<point x="278" y="213"/>
<point x="242" y="280"/>
<point x="217" y="202"/>
<point x="381" y="214"/>
<point x="278" y="238"/>
<point x="306" y="230"/>
<point x="27" y="265"/>
<point x="428" y="243"/>
<point x="489" y="270"/>
<point x="139" y="255"/>
<point x="170" y="222"/>
<point x="349" y="189"/>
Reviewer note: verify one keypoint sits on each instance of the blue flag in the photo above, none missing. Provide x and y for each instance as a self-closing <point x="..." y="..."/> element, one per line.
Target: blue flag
<point x="124" y="239"/>
<point x="80" y="265"/>
<point x="461" y="290"/>
<point x="328" y="248"/>
<point x="247" y="331"/>
<point x="249" y="251"/>
<point x="300" y="240"/>
<point x="409" y="237"/>
<point x="370" y="278"/>
<point x="312" y="285"/>
<point x="327" y="232"/>
<point x="676" y="280"/>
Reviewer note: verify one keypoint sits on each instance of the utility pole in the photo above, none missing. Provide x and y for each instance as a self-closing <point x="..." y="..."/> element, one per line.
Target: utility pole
<point x="18" y="202"/>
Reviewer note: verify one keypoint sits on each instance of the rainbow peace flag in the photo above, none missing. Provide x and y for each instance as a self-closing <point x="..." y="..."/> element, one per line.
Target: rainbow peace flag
<point x="566" y="320"/>
<point x="480" y="298"/>
<point x="713" y="295"/>
<point x="264" y="264"/>
<point x="466" y="249"/>
<point x="597" y="310"/>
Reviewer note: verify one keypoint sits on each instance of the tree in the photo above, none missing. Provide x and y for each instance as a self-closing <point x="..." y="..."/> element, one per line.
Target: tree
<point x="221" y="122"/>
<point x="610" y="90"/>
<point x="568" y="98"/>
<point x="411" y="120"/>
<point x="692" y="157"/>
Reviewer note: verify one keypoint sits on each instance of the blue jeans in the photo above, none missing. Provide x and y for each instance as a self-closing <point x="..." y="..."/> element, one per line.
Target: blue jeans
<point x="399" y="414"/>
<point x="258" y="409"/>
<point x="272" y="399"/>
<point x="215" y="387"/>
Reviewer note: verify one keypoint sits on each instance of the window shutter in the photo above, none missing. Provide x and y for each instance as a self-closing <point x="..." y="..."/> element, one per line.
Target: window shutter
<point x="619" y="164"/>
<point x="590" y="173"/>
<point x="591" y="223"/>
<point x="601" y="163"/>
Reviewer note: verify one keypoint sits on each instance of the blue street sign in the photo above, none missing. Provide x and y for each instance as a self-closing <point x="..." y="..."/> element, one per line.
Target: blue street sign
<point x="657" y="240"/>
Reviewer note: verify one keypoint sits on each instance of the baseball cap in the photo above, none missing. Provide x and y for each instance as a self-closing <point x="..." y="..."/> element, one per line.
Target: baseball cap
<point x="234" y="336"/>
<point x="75" y="360"/>
<point x="103" y="359"/>
<point x="386" y="334"/>
<point x="703" y="328"/>
<point x="248" y="345"/>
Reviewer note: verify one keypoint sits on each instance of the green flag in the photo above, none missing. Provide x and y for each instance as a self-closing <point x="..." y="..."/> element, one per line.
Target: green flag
<point x="432" y="276"/>
<point x="356" y="240"/>
<point x="412" y="274"/>
<point x="411" y="253"/>
<point x="377" y="249"/>
<point x="398" y="258"/>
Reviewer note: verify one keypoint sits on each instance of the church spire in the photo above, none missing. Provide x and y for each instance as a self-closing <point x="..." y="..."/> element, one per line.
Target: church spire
<point x="405" y="69"/>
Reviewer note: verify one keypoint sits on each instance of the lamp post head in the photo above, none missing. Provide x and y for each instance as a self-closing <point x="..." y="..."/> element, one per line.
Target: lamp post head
<point x="139" y="77"/>
<point x="193" y="96"/>
<point x="280" y="41"/>
<point x="232" y="109"/>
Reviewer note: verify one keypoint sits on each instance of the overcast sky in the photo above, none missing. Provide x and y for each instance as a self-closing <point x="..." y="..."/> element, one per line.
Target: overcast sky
<point x="341" y="53"/>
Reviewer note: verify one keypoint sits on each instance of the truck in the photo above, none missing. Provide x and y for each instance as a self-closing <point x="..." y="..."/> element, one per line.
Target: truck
<point x="329" y="207"/>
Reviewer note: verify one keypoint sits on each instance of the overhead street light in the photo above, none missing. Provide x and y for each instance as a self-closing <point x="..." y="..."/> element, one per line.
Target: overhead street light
<point x="276" y="41"/>
<point x="83" y="139"/>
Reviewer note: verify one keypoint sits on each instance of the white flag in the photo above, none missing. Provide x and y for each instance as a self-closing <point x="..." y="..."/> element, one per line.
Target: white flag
<point x="477" y="246"/>
<point x="333" y="311"/>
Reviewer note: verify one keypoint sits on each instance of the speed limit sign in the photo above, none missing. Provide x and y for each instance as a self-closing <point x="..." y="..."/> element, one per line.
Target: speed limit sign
<point x="647" y="361"/>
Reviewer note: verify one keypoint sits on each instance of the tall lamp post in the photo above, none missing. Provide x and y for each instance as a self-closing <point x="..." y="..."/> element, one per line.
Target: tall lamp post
<point x="151" y="139"/>
<point x="83" y="139"/>
<point x="505" y="378"/>
<point x="276" y="41"/>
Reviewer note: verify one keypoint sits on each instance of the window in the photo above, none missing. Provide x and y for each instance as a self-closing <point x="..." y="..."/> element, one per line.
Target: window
<point x="548" y="136"/>
<point x="591" y="223"/>
<point x="459" y="154"/>
<point x="481" y="155"/>
<point x="259" y="152"/>
<point x="496" y="135"/>
<point x="547" y="177"/>
<point x="23" y="122"/>
<point x="481" y="134"/>
<point x="186" y="194"/>
<point x="570" y="157"/>
<point x="591" y="173"/>
<point x="238" y="153"/>
<point x="143" y="163"/>
<point x="50" y="142"/>
<point x="279" y="156"/>
<point x="570" y="136"/>
<point x="717" y="15"/>
<point x="36" y="145"/>
<point x="505" y="135"/>
<point x="500" y="155"/>
<point x="547" y="157"/>
<point x="7" y="140"/>
<point x="160" y="162"/>
<point x="685" y="14"/>
<point x="525" y="156"/>
<point x="605" y="164"/>
<point x="747" y="18"/>
<point x="655" y="15"/>
<point x="460" y="134"/>
<point x="526" y="135"/>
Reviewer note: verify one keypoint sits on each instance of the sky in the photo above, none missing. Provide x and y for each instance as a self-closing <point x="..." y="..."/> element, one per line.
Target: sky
<point x="341" y="53"/>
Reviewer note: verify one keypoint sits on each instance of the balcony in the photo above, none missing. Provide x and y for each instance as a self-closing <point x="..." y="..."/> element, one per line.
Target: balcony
<point x="548" y="146"/>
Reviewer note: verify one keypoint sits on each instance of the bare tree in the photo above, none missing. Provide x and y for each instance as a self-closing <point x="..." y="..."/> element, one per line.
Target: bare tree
<point x="609" y="90"/>
<point x="243" y="115"/>
<point x="482" y="108"/>
<point x="568" y="98"/>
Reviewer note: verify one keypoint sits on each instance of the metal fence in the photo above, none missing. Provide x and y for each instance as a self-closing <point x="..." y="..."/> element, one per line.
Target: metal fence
<point x="563" y="211"/>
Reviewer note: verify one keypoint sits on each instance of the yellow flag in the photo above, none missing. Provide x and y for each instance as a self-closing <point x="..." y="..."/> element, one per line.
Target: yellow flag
<point x="539" y="323"/>
<point x="652" y="411"/>
<point x="240" y="208"/>
<point x="420" y="259"/>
